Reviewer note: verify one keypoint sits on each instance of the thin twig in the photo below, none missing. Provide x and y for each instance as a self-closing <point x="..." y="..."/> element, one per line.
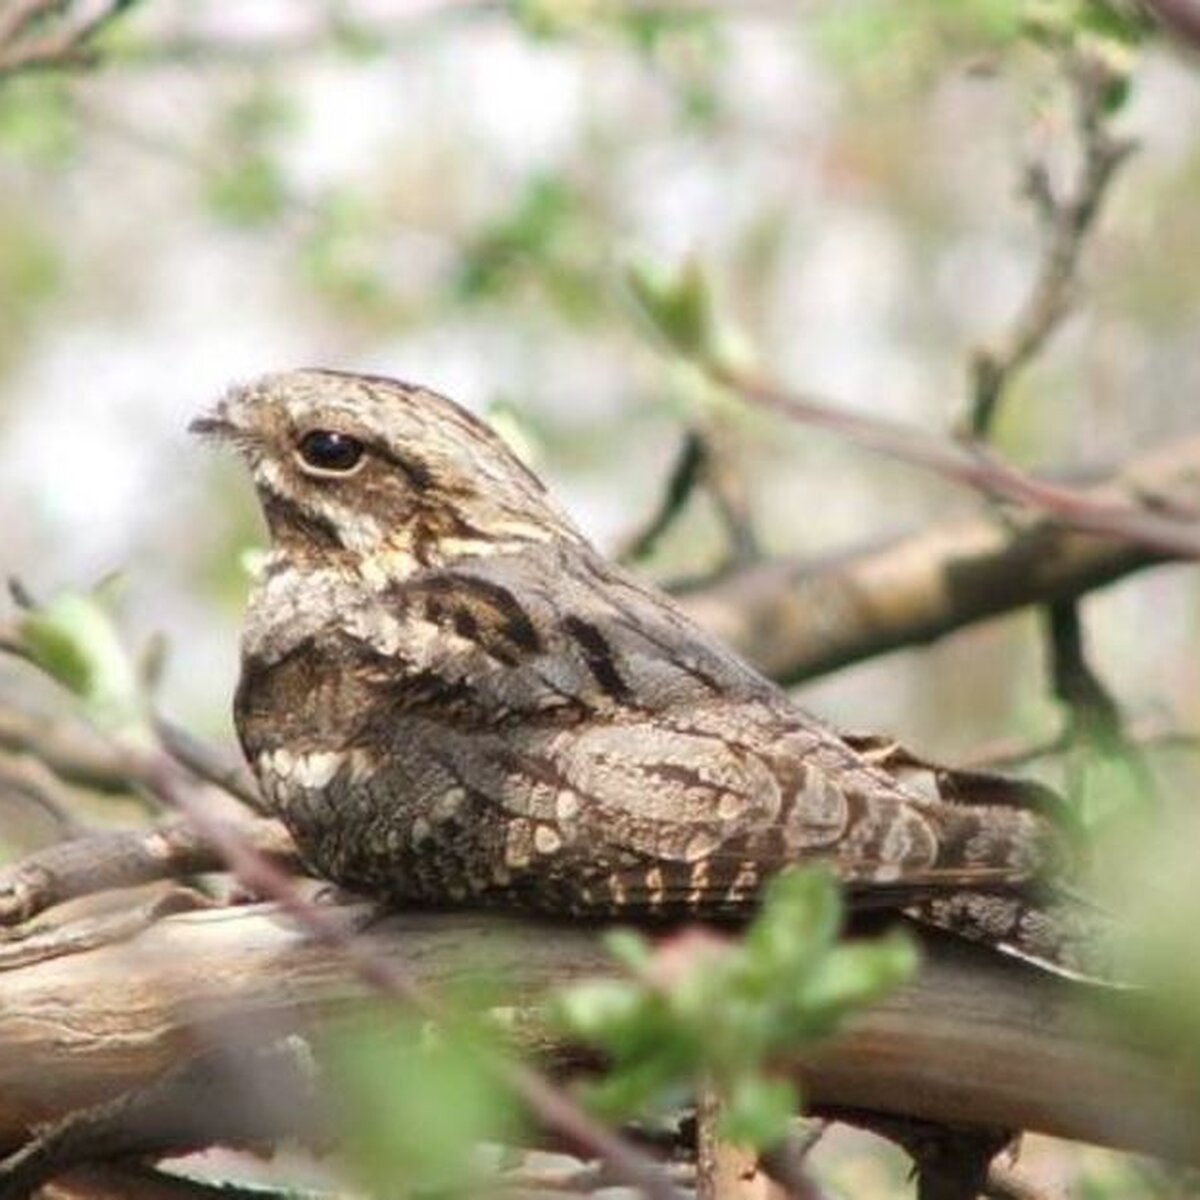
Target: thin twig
<point x="1067" y="220"/>
<point x="30" y="779"/>
<point x="972" y="465"/>
<point x="210" y="764"/>
<point x="727" y="485"/>
<point x="18" y="15"/>
<point x="787" y="1163"/>
<point x="683" y="478"/>
<point x="1006" y="753"/>
<point x="67" y="43"/>
<point x="104" y="861"/>
<point x="1094" y="715"/>
<point x="1095" y="722"/>
<point x="702" y="461"/>
<point x="1181" y="17"/>
<point x="968" y="461"/>
<point x="71" y="750"/>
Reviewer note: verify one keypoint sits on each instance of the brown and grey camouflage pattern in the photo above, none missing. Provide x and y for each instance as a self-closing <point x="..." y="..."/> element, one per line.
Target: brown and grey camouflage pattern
<point x="452" y="699"/>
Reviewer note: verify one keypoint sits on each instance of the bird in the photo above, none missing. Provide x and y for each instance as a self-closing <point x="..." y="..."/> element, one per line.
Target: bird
<point x="451" y="698"/>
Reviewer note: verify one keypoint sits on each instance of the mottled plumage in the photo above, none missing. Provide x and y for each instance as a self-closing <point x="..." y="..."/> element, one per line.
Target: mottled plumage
<point x="452" y="698"/>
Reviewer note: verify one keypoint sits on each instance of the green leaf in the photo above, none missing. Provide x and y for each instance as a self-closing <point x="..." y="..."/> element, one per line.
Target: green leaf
<point x="249" y="187"/>
<point x="415" y="1104"/>
<point x="599" y="1008"/>
<point x="38" y="120"/>
<point x="1117" y="20"/>
<point x="74" y="640"/>
<point x="677" y="304"/>
<point x="250" y="192"/>
<point x="757" y="1111"/>
<point x="629" y="948"/>
<point x="852" y="976"/>
<point x="800" y="918"/>
<point x="545" y="19"/>
<point x="340" y="255"/>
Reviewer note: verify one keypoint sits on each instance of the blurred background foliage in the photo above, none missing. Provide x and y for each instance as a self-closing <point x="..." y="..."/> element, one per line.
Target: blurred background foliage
<point x="452" y="191"/>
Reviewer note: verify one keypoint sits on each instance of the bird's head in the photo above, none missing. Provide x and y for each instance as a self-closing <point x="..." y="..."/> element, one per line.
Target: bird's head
<point x="358" y="466"/>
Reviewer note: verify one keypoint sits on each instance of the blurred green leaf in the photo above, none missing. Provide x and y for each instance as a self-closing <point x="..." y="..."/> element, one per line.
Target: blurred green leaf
<point x="555" y="18"/>
<point x="30" y="269"/>
<point x="757" y="1111"/>
<point x="898" y="41"/>
<point x="31" y="274"/>
<point x="74" y="640"/>
<point x="250" y="192"/>
<point x="542" y="239"/>
<point x="650" y="30"/>
<point x="698" y="1008"/>
<point x="355" y="38"/>
<point x="1121" y="21"/>
<point x="678" y="305"/>
<point x="414" y="1104"/>
<point x="38" y="121"/>
<point x="248" y="186"/>
<point x="340" y="257"/>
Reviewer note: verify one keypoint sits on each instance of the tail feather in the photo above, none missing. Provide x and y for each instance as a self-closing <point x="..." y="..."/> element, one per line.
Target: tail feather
<point x="1061" y="933"/>
<point x="1043" y="921"/>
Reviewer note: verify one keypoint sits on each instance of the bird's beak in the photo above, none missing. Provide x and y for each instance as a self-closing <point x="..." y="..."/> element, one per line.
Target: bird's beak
<point x="213" y="425"/>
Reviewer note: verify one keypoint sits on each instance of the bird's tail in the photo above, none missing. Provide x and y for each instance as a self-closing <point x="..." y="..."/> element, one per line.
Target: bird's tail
<point x="1063" y="933"/>
<point x="1044" y="919"/>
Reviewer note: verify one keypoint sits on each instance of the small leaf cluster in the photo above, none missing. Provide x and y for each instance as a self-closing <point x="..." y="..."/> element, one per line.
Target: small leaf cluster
<point x="705" y="1010"/>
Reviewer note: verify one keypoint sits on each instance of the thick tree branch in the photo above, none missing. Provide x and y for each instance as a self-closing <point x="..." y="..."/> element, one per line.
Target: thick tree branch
<point x="975" y="1040"/>
<point x="798" y="619"/>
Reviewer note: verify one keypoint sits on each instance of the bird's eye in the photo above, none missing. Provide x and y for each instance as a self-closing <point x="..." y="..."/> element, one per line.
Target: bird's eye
<point x="325" y="452"/>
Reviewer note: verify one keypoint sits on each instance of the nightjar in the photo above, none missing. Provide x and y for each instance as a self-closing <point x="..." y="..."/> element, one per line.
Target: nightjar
<point x="452" y="699"/>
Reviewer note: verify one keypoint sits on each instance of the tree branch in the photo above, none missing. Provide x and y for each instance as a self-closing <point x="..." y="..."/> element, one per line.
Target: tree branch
<point x="1181" y="17"/>
<point x="102" y="861"/>
<point x="48" y="34"/>
<point x="1067" y="221"/>
<point x="798" y="619"/>
<point x="704" y="460"/>
<point x="975" y="1040"/>
<point x="974" y="465"/>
